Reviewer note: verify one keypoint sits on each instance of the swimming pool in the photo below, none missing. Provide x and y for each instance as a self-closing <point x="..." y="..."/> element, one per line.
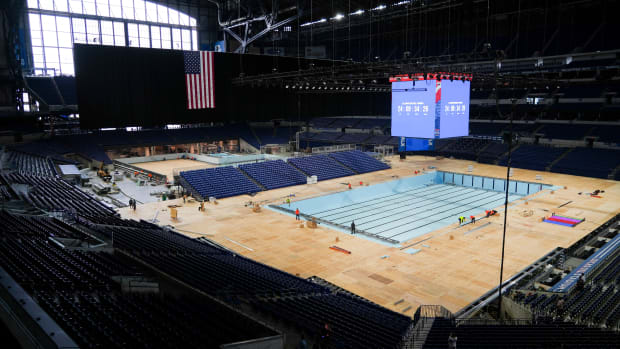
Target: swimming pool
<point x="403" y="209"/>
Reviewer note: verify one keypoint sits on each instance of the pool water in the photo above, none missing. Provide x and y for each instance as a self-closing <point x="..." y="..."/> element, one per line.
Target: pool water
<point x="403" y="209"/>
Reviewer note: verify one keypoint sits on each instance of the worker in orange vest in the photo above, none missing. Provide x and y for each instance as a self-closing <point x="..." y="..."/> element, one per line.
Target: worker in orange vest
<point x="297" y="214"/>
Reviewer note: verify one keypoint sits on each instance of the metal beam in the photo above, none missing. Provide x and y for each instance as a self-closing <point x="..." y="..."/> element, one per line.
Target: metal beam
<point x="270" y="28"/>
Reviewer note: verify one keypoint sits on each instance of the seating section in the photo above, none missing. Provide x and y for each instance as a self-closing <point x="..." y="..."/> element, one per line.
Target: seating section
<point x="327" y="136"/>
<point x="353" y="323"/>
<point x="378" y="139"/>
<point x="492" y="152"/>
<point x="210" y="269"/>
<point x="486" y="129"/>
<point x="564" y="131"/>
<point x="353" y="138"/>
<point x="31" y="164"/>
<point x="220" y="182"/>
<point x="359" y="161"/>
<point x="595" y="302"/>
<point x="154" y="239"/>
<point x="322" y="166"/>
<point x="607" y="133"/>
<point x="322" y="122"/>
<point x="53" y="194"/>
<point x="274" y="174"/>
<point x="373" y="123"/>
<point x="359" y="123"/>
<point x="588" y="162"/>
<point x="542" y="335"/>
<point x="15" y="225"/>
<point x="77" y="290"/>
<point x="533" y="157"/>
<point x="464" y="148"/>
<point x="6" y="194"/>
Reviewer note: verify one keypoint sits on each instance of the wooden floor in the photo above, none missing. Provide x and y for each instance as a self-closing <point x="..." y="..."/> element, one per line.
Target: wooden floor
<point x="166" y="167"/>
<point x="453" y="268"/>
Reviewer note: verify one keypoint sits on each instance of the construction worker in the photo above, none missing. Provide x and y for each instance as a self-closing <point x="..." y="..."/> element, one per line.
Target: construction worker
<point x="353" y="228"/>
<point x="473" y="219"/>
<point x="349" y="185"/>
<point x="297" y="214"/>
<point x="288" y="201"/>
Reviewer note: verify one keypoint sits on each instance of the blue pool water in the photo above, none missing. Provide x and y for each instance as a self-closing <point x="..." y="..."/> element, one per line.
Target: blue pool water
<point x="403" y="209"/>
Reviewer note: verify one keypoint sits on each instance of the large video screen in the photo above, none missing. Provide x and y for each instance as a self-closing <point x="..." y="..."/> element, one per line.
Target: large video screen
<point x="413" y="108"/>
<point x="454" y="118"/>
<point x="415" y="103"/>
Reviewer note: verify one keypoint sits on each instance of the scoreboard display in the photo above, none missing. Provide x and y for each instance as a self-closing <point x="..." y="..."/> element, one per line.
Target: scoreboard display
<point x="430" y="106"/>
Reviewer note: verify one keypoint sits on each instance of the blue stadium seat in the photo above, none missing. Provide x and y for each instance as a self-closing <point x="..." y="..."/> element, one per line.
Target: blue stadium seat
<point x="274" y="174"/>
<point x="321" y="166"/>
<point x="220" y="182"/>
<point x="358" y="161"/>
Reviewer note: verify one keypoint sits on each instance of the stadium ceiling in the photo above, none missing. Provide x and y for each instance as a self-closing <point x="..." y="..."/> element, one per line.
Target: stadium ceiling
<point x="249" y="20"/>
<point x="489" y="71"/>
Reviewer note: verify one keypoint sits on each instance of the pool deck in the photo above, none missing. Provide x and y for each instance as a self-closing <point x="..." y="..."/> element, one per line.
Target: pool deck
<point x="455" y="265"/>
<point x="402" y="209"/>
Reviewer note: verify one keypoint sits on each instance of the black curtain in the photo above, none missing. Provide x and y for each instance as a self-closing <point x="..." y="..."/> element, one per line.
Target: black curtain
<point x="121" y="86"/>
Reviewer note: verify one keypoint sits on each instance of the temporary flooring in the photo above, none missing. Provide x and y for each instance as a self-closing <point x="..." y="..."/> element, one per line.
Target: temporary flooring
<point x="454" y="265"/>
<point x="166" y="167"/>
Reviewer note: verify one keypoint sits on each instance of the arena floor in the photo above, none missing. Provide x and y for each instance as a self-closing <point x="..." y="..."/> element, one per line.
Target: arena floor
<point x="400" y="210"/>
<point x="166" y="167"/>
<point x="455" y="265"/>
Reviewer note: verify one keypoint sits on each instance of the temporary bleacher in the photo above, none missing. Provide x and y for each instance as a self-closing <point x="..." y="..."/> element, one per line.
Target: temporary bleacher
<point x="322" y="166"/>
<point x="359" y="161"/>
<point x="220" y="182"/>
<point x="588" y="162"/>
<point x="274" y="174"/>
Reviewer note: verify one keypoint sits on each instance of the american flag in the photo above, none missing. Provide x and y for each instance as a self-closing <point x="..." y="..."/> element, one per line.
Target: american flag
<point x="199" y="79"/>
